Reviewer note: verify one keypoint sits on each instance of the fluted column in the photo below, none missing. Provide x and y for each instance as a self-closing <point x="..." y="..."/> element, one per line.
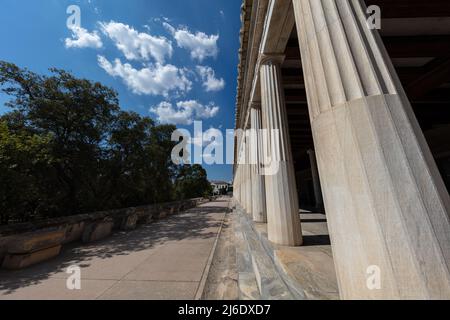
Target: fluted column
<point x="236" y="193"/>
<point x="236" y="175"/>
<point x="239" y="185"/>
<point x="387" y="206"/>
<point x="283" y="216"/>
<point x="243" y="186"/>
<point x="239" y="173"/>
<point x="258" y="180"/>
<point x="316" y="180"/>
<point x="241" y="194"/>
<point x="235" y="196"/>
<point x="244" y="173"/>
<point x="248" y="175"/>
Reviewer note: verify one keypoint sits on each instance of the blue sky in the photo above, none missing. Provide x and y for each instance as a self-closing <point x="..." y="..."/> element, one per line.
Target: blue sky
<point x="174" y="60"/>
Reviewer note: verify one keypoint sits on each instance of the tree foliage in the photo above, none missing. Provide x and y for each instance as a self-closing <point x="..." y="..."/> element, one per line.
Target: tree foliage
<point x="66" y="147"/>
<point x="192" y="182"/>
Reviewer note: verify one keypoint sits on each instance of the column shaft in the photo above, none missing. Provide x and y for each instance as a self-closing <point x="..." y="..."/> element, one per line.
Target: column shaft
<point x="244" y="176"/>
<point x="316" y="180"/>
<point x="283" y="216"/>
<point x="241" y="163"/>
<point x="236" y="184"/>
<point x="258" y="180"/>
<point x="248" y="175"/>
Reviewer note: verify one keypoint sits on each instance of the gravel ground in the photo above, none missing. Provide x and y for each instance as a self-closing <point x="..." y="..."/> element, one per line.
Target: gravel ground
<point x="222" y="281"/>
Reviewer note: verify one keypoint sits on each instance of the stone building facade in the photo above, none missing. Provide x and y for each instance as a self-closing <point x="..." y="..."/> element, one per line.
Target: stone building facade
<point x="363" y="134"/>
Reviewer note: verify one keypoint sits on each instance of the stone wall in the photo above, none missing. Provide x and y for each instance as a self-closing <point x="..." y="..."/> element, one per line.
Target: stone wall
<point x="22" y="245"/>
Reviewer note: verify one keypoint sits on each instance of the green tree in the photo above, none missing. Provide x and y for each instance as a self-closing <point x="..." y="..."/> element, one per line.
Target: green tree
<point x="140" y="160"/>
<point x="24" y="159"/>
<point x="67" y="148"/>
<point x="76" y="114"/>
<point x="192" y="182"/>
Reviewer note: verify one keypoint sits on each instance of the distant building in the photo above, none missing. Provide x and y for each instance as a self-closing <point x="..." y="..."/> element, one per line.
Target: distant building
<point x="220" y="187"/>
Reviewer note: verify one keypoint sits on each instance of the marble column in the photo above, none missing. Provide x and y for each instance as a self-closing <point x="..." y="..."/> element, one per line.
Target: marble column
<point x="316" y="180"/>
<point x="241" y="193"/>
<point x="236" y="192"/>
<point x="236" y="175"/>
<point x="283" y="216"/>
<point x="235" y="183"/>
<point x="258" y="180"/>
<point x="244" y="173"/>
<point x="239" y="186"/>
<point x="239" y="161"/>
<point x="248" y="175"/>
<point x="243" y="176"/>
<point x="387" y="206"/>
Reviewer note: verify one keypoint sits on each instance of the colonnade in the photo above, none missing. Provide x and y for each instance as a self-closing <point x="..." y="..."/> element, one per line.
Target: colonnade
<point x="387" y="206"/>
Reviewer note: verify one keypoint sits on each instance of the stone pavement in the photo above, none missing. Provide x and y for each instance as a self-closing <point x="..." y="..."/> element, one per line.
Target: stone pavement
<point x="163" y="260"/>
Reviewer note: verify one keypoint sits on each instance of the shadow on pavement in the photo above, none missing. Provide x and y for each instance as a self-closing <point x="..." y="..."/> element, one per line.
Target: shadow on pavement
<point x="190" y="224"/>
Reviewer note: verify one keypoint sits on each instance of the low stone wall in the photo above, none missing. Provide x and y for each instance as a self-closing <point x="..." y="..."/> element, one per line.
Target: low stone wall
<point x="22" y="245"/>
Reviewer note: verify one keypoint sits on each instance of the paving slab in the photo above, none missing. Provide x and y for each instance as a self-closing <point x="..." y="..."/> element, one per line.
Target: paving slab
<point x="55" y="289"/>
<point x="151" y="290"/>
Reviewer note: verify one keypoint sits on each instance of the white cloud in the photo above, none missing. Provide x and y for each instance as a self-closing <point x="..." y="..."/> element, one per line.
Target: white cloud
<point x="135" y="45"/>
<point x="167" y="113"/>
<point x="210" y="82"/>
<point x="201" y="111"/>
<point x="199" y="44"/>
<point x="185" y="112"/>
<point x="81" y="38"/>
<point x="154" y="79"/>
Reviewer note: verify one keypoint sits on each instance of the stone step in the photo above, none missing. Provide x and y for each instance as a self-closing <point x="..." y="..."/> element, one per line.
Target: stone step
<point x="271" y="285"/>
<point x="273" y="251"/>
<point x="248" y="287"/>
<point x="256" y="264"/>
<point x="308" y="272"/>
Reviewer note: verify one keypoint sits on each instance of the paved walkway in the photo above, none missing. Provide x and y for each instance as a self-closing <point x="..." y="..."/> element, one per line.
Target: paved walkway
<point x="163" y="260"/>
